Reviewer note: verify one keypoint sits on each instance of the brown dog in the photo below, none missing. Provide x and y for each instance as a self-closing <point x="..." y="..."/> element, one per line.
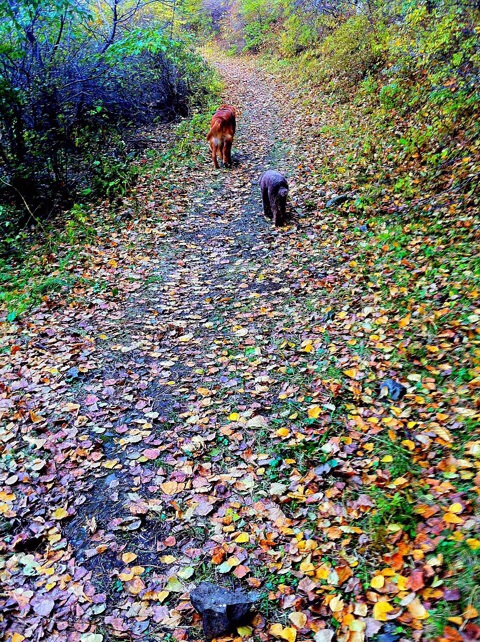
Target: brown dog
<point x="222" y="131"/>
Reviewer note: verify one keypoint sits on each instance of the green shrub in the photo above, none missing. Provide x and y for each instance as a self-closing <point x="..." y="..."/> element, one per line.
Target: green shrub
<point x="355" y="49"/>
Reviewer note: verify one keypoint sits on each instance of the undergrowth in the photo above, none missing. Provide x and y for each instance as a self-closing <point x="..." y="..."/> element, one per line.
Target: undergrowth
<point x="36" y="263"/>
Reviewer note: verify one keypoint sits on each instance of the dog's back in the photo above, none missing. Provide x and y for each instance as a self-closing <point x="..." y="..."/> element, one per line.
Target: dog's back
<point x="222" y="131"/>
<point x="223" y="122"/>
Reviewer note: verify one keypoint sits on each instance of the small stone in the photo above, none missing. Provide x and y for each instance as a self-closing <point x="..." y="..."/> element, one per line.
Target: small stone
<point x="393" y="389"/>
<point x="389" y="633"/>
<point x="72" y="373"/>
<point x="338" y="200"/>
<point x="221" y="609"/>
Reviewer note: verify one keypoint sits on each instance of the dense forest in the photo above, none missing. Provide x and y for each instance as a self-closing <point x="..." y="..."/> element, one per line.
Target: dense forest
<point x="239" y="399"/>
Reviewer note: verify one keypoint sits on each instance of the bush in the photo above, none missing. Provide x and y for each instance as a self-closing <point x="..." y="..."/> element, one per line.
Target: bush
<point x="73" y="84"/>
<point x="353" y="50"/>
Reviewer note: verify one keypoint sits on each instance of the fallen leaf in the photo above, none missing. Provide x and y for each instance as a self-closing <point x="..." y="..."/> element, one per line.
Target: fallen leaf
<point x="380" y="611"/>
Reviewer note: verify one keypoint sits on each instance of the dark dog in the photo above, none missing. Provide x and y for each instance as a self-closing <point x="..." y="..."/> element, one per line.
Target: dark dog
<point x="220" y="136"/>
<point x="274" y="189"/>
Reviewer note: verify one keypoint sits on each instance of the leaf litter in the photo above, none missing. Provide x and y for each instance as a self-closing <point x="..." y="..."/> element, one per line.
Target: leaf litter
<point x="213" y="413"/>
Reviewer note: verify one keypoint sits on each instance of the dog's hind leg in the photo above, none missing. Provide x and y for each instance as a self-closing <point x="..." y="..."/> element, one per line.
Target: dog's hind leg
<point x="213" y="149"/>
<point x="267" y="210"/>
<point x="227" y="153"/>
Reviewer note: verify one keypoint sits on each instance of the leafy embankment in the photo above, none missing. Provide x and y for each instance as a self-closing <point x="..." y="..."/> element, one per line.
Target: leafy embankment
<point x="387" y="109"/>
<point x="35" y="262"/>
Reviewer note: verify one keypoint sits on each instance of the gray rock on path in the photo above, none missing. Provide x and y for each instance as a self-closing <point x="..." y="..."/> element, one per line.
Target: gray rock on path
<point x="221" y="609"/>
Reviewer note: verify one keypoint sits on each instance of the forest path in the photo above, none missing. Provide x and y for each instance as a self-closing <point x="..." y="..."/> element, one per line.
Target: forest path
<point x="203" y="403"/>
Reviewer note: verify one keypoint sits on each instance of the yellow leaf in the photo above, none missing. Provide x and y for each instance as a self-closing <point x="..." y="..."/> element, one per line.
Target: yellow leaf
<point x="234" y="416"/>
<point x="405" y="321"/>
<point x="17" y="637"/>
<point x="309" y="348"/>
<point x="112" y="263"/>
<point x="378" y="582"/>
<point x="314" y="412"/>
<point x="276" y="630"/>
<point x="283" y="432"/>
<point x="352" y="373"/>
<point x="128" y="557"/>
<point x="163" y="596"/>
<point x="402" y="583"/>
<point x="243" y="538"/>
<point x="137" y="570"/>
<point x="186" y="338"/>
<point x="59" y="513"/>
<point x="244" y="631"/>
<point x="455" y="620"/>
<point x="307" y="567"/>
<point x="474" y="544"/>
<point x="289" y="634"/>
<point x="470" y="612"/>
<point x="387" y="459"/>
<point x="451" y="518"/>
<point x="174" y="585"/>
<point x="456" y="508"/>
<point x="417" y="610"/>
<point x="299" y="619"/>
<point x="110" y="463"/>
<point x="125" y="577"/>
<point x="380" y="611"/>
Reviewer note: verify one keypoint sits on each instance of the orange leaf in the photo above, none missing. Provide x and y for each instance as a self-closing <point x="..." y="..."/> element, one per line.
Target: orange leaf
<point x="415" y="581"/>
<point x="36" y="418"/>
<point x="169" y="487"/>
